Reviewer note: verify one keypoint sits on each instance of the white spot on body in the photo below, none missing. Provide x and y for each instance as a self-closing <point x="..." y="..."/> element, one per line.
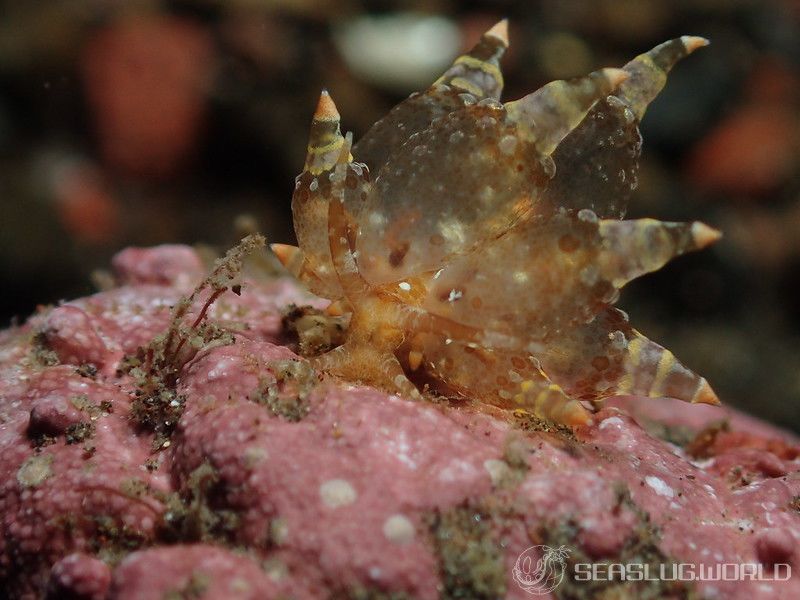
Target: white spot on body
<point x="486" y="195"/>
<point x="520" y="277"/>
<point x="618" y="341"/>
<point x="589" y="275"/>
<point x="467" y="99"/>
<point x="405" y="286"/>
<point x="456" y="137"/>
<point x="453" y="231"/>
<point x="376" y="220"/>
<point x="549" y="166"/>
<point x="337" y="492"/>
<point x="507" y="144"/>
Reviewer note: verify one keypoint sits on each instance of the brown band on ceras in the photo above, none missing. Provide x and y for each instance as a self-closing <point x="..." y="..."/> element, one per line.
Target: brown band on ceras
<point x="325" y="138"/>
<point x="478" y="71"/>
<point x="648" y="71"/>
<point x="547" y="115"/>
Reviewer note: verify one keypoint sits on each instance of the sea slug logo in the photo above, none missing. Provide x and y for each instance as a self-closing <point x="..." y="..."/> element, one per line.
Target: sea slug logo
<point x="540" y="569"/>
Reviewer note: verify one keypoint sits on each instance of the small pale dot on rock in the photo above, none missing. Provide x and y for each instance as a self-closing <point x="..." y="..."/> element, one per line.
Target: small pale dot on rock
<point x="239" y="585"/>
<point x="507" y="144"/>
<point x="254" y="455"/>
<point x="279" y="531"/>
<point x="660" y="486"/>
<point x="498" y="470"/>
<point x="276" y="569"/>
<point x="337" y="492"/>
<point x="35" y="470"/>
<point x="398" y="529"/>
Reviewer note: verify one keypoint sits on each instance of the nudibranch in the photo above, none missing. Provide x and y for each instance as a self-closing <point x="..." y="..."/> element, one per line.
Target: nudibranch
<point x="482" y="244"/>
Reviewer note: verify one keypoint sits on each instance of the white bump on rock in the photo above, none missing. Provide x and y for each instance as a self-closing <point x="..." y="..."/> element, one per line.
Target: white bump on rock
<point x="337" y="492"/>
<point x="398" y="529"/>
<point x="278" y="531"/>
<point x="254" y="455"/>
<point x="498" y="470"/>
<point x="35" y="470"/>
<point x="660" y="487"/>
<point x="611" y="421"/>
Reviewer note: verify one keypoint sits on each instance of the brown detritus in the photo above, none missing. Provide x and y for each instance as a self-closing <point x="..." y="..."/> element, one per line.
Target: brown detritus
<point x="640" y="548"/>
<point x="113" y="540"/>
<point x="89" y="450"/>
<point x="680" y="435"/>
<point x="193" y="515"/>
<point x="135" y="488"/>
<point x="516" y="452"/>
<point x="87" y="370"/>
<point x="286" y="393"/>
<point x="527" y="421"/>
<point x="157" y="406"/>
<point x="365" y="593"/>
<point x="79" y="432"/>
<point x="470" y="556"/>
<point x="41" y="352"/>
<point x="42" y="440"/>
<point x="312" y="330"/>
<point x="94" y="411"/>
<point x="226" y="271"/>
<point x="194" y="588"/>
<point x="702" y="444"/>
<point x="739" y="477"/>
<point x="102" y="280"/>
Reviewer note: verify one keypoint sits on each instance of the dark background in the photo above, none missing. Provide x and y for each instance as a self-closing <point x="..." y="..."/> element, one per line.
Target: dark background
<point x="146" y="122"/>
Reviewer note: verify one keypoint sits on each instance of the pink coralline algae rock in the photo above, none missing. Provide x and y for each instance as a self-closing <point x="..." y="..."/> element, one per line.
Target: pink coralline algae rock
<point x="250" y="475"/>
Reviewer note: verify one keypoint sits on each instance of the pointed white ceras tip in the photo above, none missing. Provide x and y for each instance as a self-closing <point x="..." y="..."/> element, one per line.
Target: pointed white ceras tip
<point x="499" y="31"/>
<point x="704" y="235"/>
<point x="326" y="109"/>
<point x="693" y="42"/>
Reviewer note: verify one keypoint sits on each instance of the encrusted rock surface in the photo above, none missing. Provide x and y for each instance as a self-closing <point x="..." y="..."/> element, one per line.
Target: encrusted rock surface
<point x="279" y="483"/>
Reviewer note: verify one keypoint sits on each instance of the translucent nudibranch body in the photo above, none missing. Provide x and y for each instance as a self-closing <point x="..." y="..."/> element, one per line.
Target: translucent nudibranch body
<point x="481" y="243"/>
